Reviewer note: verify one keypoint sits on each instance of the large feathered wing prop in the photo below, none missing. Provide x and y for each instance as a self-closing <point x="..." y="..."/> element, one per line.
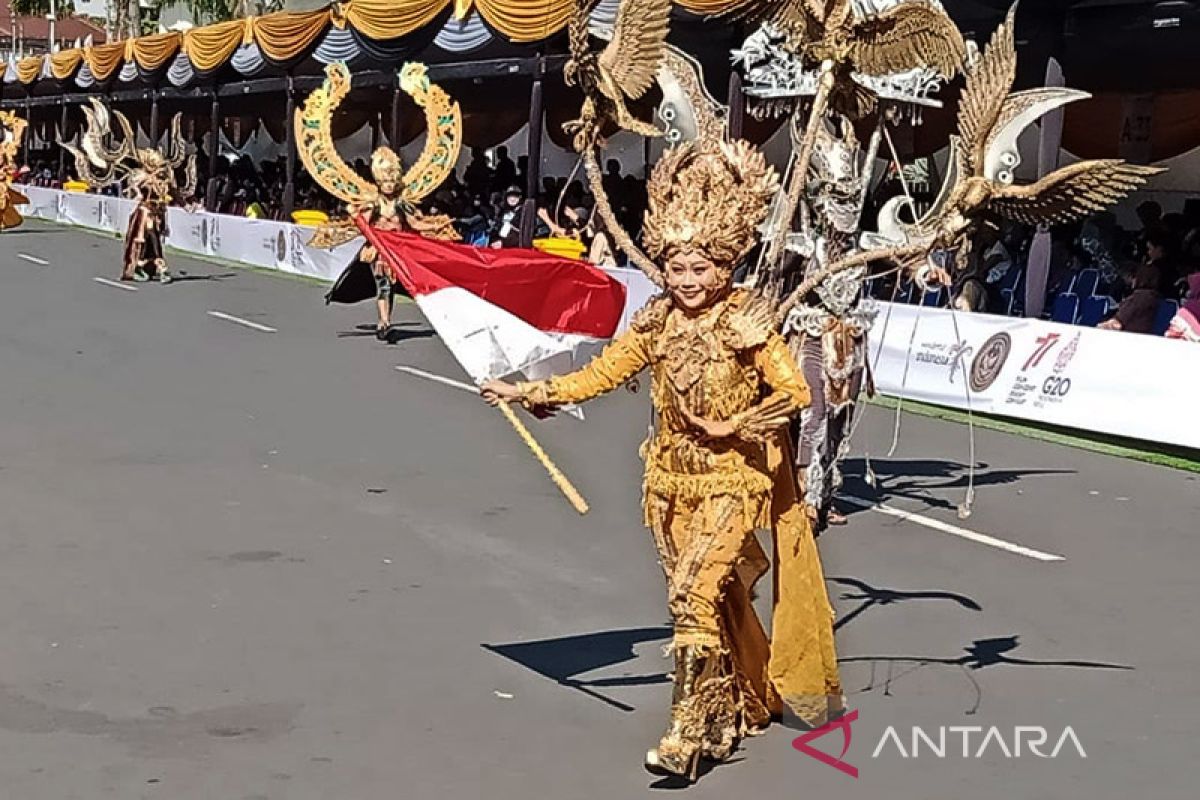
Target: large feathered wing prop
<point x="908" y="36"/>
<point x="315" y="145"/>
<point x="1071" y="193"/>
<point x="629" y="63"/>
<point x="96" y="163"/>
<point x="988" y="84"/>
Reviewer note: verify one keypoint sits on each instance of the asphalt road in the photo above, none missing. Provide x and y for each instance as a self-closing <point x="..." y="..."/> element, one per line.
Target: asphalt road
<point x="238" y="564"/>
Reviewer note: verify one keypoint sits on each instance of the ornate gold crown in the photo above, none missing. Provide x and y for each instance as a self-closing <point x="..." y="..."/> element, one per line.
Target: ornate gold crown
<point x="708" y="197"/>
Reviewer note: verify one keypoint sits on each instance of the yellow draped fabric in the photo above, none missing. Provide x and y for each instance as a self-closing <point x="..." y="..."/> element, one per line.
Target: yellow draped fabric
<point x="526" y="21"/>
<point x="391" y="19"/>
<point x="151" y="52"/>
<point x="286" y="35"/>
<point x="210" y="46"/>
<point x="104" y="60"/>
<point x="711" y="7"/>
<point x="28" y="69"/>
<point x="64" y="64"/>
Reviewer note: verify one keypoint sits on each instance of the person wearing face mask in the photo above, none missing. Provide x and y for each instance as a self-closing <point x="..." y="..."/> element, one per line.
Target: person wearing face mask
<point x="506" y="229"/>
<point x="724" y="386"/>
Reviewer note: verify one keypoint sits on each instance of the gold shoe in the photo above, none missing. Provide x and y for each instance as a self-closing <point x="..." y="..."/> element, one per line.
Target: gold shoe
<point x="681" y="761"/>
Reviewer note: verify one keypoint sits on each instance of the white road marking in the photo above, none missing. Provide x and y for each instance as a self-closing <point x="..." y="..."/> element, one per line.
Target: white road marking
<point x="953" y="530"/>
<point x="115" y="284"/>
<point x="33" y="259"/>
<point x="420" y="373"/>
<point x="239" y="321"/>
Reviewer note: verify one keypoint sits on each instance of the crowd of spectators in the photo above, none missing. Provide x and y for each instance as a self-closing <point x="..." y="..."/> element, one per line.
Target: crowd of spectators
<point x="486" y="198"/>
<point x="1099" y="273"/>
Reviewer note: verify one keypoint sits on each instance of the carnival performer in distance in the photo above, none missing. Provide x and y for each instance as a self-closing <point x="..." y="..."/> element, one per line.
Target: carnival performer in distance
<point x="150" y="178"/>
<point x="12" y="128"/>
<point x="390" y="202"/>
<point x="724" y="387"/>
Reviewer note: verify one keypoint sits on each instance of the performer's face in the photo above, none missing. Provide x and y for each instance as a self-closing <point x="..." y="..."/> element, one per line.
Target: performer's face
<point x="694" y="281"/>
<point x="387" y="186"/>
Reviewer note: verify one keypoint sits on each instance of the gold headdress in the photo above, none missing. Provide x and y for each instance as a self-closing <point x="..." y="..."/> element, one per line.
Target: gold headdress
<point x="386" y="166"/>
<point x="12" y="129"/>
<point x="708" y="197"/>
<point x="319" y="154"/>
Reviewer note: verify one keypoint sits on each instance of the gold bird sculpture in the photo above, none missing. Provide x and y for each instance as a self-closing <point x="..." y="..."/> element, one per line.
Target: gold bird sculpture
<point x="909" y="35"/>
<point x="624" y="70"/>
<point x="980" y="178"/>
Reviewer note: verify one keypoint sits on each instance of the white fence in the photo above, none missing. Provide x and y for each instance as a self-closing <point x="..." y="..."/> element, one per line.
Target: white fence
<point x="1141" y="387"/>
<point x="259" y="243"/>
<point x="1126" y="384"/>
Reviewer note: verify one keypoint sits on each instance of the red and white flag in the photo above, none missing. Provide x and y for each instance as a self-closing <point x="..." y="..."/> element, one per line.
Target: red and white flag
<point x="505" y="311"/>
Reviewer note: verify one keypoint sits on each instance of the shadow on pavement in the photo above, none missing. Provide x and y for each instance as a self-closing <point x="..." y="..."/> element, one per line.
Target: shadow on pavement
<point x="561" y="660"/>
<point x="872" y="596"/>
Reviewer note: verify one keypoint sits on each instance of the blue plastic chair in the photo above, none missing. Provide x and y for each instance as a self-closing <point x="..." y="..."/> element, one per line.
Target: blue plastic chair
<point x="1066" y="309"/>
<point x="1093" y="310"/>
<point x="933" y="298"/>
<point x="1167" y="309"/>
<point x="1086" y="283"/>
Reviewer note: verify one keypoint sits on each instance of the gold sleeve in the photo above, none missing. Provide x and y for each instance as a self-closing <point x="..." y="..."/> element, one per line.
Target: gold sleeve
<point x="789" y="393"/>
<point x="624" y="357"/>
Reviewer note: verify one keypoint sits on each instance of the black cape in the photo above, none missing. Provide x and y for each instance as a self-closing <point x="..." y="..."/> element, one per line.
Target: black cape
<point x="356" y="284"/>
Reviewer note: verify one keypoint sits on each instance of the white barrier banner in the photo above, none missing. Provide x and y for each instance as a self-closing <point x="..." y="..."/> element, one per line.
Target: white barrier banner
<point x="1126" y="384"/>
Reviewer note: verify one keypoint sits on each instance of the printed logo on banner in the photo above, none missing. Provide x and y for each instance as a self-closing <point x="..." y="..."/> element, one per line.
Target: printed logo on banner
<point x="299" y="255"/>
<point x="1056" y="386"/>
<point x="951" y="355"/>
<point x="281" y="247"/>
<point x="212" y="237"/>
<point x="989" y="363"/>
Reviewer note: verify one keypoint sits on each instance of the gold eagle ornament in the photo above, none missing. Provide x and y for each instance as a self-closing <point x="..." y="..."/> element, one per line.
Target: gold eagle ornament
<point x="625" y="69"/>
<point x="981" y="176"/>
<point x="912" y="34"/>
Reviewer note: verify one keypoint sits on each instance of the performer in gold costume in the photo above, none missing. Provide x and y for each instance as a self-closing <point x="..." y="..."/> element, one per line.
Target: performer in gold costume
<point x="103" y="158"/>
<point x="12" y="131"/>
<point x="724" y="386"/>
<point x="390" y="202"/>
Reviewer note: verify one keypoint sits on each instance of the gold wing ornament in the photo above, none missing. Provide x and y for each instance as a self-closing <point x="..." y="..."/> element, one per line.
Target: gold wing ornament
<point x="1071" y="193"/>
<point x="907" y="36"/>
<point x="629" y="63"/>
<point x="315" y="145"/>
<point x="98" y="163"/>
<point x="14" y="133"/>
<point x="988" y="84"/>
<point x="443" y="141"/>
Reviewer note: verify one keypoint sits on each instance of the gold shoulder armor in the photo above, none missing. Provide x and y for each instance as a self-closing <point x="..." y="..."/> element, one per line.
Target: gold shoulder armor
<point x="652" y="316"/>
<point x="749" y="321"/>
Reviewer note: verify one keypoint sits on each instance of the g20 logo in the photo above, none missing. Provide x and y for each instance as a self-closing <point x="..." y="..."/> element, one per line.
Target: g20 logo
<point x="1056" y="386"/>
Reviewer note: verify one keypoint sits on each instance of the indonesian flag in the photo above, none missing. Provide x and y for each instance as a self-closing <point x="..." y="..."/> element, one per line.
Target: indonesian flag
<point x="505" y="311"/>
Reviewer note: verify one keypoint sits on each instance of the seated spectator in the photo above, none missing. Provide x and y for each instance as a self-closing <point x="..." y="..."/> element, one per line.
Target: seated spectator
<point x="506" y="228"/>
<point x="1137" y="311"/>
<point x="1160" y="251"/>
<point x="1185" y="324"/>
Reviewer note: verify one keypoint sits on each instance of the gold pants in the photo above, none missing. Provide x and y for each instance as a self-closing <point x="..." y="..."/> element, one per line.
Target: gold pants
<point x="711" y="559"/>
